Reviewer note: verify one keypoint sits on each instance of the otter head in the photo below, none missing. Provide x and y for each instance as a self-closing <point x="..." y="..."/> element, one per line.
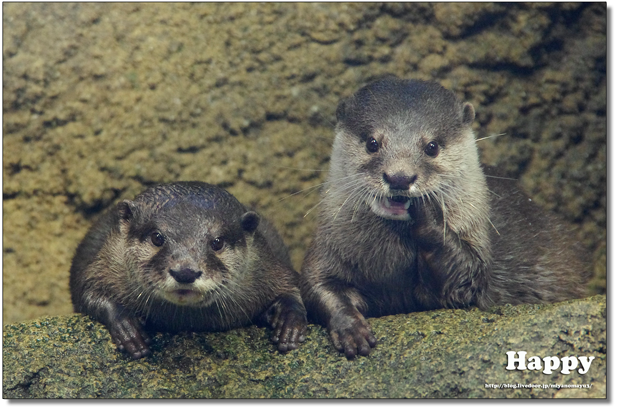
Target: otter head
<point x="400" y="140"/>
<point x="186" y="243"/>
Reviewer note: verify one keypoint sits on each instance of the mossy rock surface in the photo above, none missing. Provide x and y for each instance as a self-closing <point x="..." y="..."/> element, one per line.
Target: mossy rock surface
<point x="434" y="354"/>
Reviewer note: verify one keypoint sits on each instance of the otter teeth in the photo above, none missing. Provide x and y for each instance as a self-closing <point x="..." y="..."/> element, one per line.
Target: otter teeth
<point x="388" y="202"/>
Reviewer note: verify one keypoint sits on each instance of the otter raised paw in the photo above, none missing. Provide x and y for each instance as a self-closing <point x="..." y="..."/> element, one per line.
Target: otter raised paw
<point x="185" y="256"/>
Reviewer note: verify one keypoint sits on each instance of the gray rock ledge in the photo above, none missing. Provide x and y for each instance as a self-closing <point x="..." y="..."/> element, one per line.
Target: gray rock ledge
<point x="435" y="354"/>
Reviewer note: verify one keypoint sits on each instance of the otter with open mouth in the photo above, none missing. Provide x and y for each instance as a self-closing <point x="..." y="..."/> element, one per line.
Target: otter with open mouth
<point x="409" y="221"/>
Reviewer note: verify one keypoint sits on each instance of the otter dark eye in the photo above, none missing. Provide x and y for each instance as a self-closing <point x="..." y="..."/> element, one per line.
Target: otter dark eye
<point x="432" y="149"/>
<point x="372" y="145"/>
<point x="217" y="244"/>
<point x="157" y="239"/>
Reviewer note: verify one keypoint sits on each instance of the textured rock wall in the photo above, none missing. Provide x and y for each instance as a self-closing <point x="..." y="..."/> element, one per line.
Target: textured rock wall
<point x="101" y="100"/>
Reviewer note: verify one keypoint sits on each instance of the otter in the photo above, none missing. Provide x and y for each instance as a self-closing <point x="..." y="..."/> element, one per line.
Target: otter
<point x="185" y="256"/>
<point x="409" y="221"/>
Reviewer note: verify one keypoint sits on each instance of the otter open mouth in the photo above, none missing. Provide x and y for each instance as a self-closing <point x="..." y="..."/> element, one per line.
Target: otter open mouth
<point x="397" y="202"/>
<point x="394" y="208"/>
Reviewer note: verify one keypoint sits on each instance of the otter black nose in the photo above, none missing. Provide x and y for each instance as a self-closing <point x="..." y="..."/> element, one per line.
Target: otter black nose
<point x="185" y="275"/>
<point x="399" y="181"/>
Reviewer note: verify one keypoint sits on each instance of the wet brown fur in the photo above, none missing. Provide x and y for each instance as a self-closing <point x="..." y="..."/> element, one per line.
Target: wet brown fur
<point x="119" y="277"/>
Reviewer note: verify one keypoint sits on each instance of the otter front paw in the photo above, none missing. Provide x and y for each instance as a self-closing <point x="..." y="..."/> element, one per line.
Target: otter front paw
<point x="289" y="331"/>
<point x="128" y="335"/>
<point x="287" y="317"/>
<point x="428" y="226"/>
<point x="351" y="335"/>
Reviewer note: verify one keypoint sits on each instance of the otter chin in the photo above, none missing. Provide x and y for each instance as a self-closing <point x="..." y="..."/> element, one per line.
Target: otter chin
<point x="202" y="292"/>
<point x="187" y="297"/>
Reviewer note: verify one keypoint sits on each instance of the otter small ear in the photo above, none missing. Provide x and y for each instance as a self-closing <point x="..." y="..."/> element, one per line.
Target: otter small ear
<point x="249" y="221"/>
<point x="341" y="110"/>
<point x="468" y="113"/>
<point x="126" y="209"/>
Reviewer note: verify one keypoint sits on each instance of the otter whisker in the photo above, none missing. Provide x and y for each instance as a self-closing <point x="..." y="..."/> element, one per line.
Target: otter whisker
<point x="362" y="199"/>
<point x="313" y="207"/>
<point x="345" y="201"/>
<point x="146" y="303"/>
<point x="424" y="195"/>
<point x="494" y="193"/>
<point x="445" y="220"/>
<point x="309" y="190"/>
<point x="491" y="136"/>
<point x="452" y="196"/>
<point x="300" y="169"/>
<point x="357" y="201"/>
<point x="502" y="178"/>
<point x="339" y="188"/>
<point x="344" y="187"/>
<point x="216" y="300"/>
<point x="317" y="186"/>
<point x="493" y="225"/>
<point x="224" y="302"/>
<point x="240" y="295"/>
<point x="323" y="199"/>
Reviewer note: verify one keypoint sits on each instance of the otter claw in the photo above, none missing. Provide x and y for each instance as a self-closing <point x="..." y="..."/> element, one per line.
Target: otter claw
<point x="290" y="331"/>
<point x="129" y="336"/>
<point x="352" y="336"/>
<point x="288" y="319"/>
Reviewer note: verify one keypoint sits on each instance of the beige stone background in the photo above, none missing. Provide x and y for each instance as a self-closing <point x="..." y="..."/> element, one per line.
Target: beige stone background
<point x="102" y="100"/>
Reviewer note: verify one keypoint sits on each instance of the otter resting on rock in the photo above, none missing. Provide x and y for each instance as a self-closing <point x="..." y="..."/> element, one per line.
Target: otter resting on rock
<point x="185" y="256"/>
<point x="409" y="221"/>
